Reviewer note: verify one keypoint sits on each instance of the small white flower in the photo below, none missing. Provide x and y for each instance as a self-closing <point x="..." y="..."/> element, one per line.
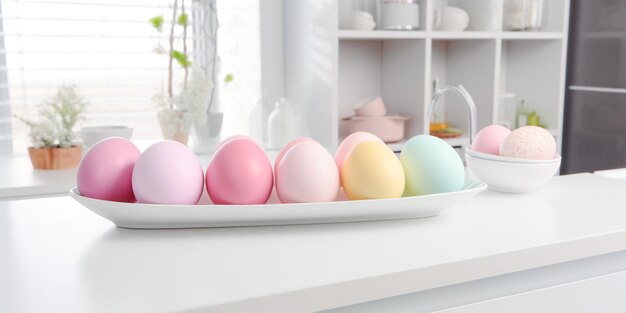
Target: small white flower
<point x="188" y="107"/>
<point x="159" y="49"/>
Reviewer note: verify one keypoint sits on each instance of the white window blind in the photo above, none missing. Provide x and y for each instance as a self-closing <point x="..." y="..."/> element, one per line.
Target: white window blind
<point x="105" y="48"/>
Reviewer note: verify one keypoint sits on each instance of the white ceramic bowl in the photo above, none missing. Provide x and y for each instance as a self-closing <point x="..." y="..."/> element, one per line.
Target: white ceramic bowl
<point x="511" y="175"/>
<point x="93" y="134"/>
<point x="362" y="21"/>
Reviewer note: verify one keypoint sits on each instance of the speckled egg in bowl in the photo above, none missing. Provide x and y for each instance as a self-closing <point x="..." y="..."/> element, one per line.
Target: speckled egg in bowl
<point x="527" y="160"/>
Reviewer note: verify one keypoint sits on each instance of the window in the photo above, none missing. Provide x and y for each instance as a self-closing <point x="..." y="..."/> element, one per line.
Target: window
<point x="106" y="48"/>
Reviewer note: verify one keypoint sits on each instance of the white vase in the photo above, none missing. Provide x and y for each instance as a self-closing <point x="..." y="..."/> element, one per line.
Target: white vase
<point x="284" y="124"/>
<point x="256" y="122"/>
<point x="174" y="125"/>
<point x="206" y="136"/>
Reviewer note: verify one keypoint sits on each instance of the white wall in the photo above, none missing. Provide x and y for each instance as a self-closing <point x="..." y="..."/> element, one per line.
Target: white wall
<point x="271" y="28"/>
<point x="310" y="54"/>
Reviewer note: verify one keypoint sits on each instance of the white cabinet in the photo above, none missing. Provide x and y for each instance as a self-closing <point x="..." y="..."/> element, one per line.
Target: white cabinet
<point x="344" y="66"/>
<point x="598" y="294"/>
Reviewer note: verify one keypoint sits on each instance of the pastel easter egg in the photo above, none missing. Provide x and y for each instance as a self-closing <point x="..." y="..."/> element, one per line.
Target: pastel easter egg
<point x="349" y="143"/>
<point x="168" y="172"/>
<point x="307" y="173"/>
<point x="286" y="148"/>
<point x="239" y="173"/>
<point x="489" y="139"/>
<point x="529" y="142"/>
<point x="372" y="171"/>
<point x="431" y="166"/>
<point x="106" y="170"/>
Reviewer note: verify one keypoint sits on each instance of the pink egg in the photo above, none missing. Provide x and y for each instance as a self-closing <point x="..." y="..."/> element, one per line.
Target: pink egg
<point x="168" y="172"/>
<point x="286" y="148"/>
<point x="307" y="173"/>
<point x="489" y="139"/>
<point x="529" y="142"/>
<point x="106" y="170"/>
<point x="239" y="173"/>
<point x="233" y="137"/>
<point x="349" y="143"/>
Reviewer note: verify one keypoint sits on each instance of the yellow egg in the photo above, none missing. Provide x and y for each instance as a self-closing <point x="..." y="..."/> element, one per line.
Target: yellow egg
<point x="372" y="171"/>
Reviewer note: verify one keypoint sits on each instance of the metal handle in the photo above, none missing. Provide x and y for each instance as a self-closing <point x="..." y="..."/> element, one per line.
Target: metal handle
<point x="461" y="91"/>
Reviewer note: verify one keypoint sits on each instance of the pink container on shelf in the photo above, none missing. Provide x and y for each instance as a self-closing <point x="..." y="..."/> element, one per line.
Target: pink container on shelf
<point x="370" y="108"/>
<point x="388" y="128"/>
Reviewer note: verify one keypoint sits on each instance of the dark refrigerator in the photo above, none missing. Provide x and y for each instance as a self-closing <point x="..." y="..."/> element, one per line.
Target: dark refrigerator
<point x="595" y="101"/>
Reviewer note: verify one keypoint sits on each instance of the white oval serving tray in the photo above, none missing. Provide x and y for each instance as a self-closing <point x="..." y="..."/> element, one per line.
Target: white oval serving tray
<point x="139" y="215"/>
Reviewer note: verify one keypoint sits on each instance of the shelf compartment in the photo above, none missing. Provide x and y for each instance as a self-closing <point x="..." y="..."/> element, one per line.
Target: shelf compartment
<point x="346" y="7"/>
<point x="484" y="15"/>
<point x="471" y="63"/>
<point x="532" y="70"/>
<point x="393" y="69"/>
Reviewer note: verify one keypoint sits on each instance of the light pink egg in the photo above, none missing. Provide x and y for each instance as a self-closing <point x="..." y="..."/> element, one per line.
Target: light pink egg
<point x="286" y="148"/>
<point x="106" y="170"/>
<point x="168" y="172"/>
<point x="307" y="173"/>
<point x="529" y="142"/>
<point x="349" y="143"/>
<point x="489" y="139"/>
<point x="239" y="173"/>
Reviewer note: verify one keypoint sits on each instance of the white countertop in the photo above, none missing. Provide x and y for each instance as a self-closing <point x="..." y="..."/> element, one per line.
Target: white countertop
<point x="19" y="179"/>
<point x="618" y="173"/>
<point x="56" y="256"/>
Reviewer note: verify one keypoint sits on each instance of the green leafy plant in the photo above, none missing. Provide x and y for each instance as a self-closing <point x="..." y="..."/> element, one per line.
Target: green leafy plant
<point x="229" y="78"/>
<point x="157" y="22"/>
<point x="59" y="115"/>
<point x="183" y="19"/>
<point x="181" y="57"/>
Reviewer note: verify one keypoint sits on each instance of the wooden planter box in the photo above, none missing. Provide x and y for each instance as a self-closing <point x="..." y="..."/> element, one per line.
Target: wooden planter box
<point x="55" y="158"/>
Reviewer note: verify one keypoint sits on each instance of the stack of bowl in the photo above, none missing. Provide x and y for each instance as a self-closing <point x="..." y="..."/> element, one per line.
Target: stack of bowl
<point x="370" y="117"/>
<point x="92" y="134"/>
<point x="511" y="175"/>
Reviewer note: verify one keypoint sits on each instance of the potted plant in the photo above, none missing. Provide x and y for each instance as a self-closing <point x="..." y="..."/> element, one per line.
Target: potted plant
<point x="52" y="136"/>
<point x="179" y="111"/>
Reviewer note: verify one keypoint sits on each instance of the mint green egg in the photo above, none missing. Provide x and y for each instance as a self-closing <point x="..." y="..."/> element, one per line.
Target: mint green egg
<point x="431" y="166"/>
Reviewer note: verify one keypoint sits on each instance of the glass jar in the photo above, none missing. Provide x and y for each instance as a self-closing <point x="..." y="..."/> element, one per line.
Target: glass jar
<point x="523" y="14"/>
<point x="400" y="14"/>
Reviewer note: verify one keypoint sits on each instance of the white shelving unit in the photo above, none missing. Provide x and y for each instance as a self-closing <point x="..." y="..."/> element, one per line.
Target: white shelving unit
<point x="401" y="65"/>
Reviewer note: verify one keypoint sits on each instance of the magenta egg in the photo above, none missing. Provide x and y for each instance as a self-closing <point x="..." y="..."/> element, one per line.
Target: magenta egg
<point x="168" y="172"/>
<point x="106" y="170"/>
<point x="239" y="173"/>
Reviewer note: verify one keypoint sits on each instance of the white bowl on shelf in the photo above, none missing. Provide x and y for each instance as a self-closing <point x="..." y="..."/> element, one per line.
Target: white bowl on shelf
<point x="511" y="175"/>
<point x="362" y="21"/>
<point x="92" y="134"/>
